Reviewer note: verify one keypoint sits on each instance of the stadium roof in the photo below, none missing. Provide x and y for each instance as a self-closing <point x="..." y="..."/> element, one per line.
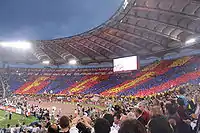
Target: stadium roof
<point x="139" y="27"/>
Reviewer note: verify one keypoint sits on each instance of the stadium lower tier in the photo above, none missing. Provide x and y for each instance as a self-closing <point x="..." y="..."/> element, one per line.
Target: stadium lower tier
<point x="154" y="78"/>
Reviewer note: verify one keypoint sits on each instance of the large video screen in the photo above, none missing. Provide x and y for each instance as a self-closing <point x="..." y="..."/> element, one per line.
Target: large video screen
<point x="125" y="64"/>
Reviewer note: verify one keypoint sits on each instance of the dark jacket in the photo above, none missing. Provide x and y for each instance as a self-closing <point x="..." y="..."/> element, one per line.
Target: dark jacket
<point x="159" y="124"/>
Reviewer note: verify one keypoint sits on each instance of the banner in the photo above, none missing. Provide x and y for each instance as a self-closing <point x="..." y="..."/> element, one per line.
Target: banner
<point x="10" y="109"/>
<point x="2" y="107"/>
<point x="19" y="111"/>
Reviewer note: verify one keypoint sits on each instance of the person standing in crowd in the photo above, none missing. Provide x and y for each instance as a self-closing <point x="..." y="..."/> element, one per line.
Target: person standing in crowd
<point x="197" y="113"/>
<point x="158" y="122"/>
<point x="64" y="123"/>
<point x="145" y="111"/>
<point x="116" y="123"/>
<point x="16" y="129"/>
<point x="7" y="129"/>
<point x="102" y="126"/>
<point x="178" y="125"/>
<point x="182" y="112"/>
<point x="182" y="96"/>
<point x="23" y="126"/>
<point x="132" y="126"/>
<point x="140" y="116"/>
<point x="197" y="102"/>
<point x="110" y="118"/>
<point x="10" y="115"/>
<point x="191" y="105"/>
<point x="53" y="129"/>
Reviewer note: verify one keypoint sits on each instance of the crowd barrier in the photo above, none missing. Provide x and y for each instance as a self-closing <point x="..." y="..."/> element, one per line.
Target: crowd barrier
<point x="11" y="109"/>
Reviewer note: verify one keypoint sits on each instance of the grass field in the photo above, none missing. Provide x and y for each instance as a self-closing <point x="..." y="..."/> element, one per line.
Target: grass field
<point x="16" y="118"/>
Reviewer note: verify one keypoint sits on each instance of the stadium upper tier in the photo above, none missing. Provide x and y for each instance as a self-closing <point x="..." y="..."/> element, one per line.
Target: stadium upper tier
<point x="154" y="78"/>
<point x="140" y="27"/>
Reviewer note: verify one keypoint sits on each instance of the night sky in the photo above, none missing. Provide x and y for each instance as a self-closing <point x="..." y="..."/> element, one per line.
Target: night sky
<point x="49" y="19"/>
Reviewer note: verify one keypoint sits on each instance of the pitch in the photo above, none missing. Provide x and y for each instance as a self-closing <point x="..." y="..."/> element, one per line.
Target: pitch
<point x="16" y="119"/>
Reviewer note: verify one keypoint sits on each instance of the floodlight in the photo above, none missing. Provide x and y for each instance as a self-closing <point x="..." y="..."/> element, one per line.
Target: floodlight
<point x="125" y="4"/>
<point x="192" y="40"/>
<point x="18" y="44"/>
<point x="46" y="62"/>
<point x="72" y="62"/>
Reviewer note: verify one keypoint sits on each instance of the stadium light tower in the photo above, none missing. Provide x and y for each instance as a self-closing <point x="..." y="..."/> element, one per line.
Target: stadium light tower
<point x="18" y="45"/>
<point x="72" y="62"/>
<point x="46" y="62"/>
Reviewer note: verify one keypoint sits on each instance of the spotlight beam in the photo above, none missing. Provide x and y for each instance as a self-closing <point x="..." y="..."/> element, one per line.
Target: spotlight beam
<point x="18" y="45"/>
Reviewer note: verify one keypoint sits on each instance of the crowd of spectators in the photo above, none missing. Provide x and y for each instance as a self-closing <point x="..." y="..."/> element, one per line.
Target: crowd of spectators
<point x="173" y="111"/>
<point x="176" y="111"/>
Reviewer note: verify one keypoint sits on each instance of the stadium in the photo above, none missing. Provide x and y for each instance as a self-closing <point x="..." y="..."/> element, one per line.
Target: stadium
<point x="136" y="73"/>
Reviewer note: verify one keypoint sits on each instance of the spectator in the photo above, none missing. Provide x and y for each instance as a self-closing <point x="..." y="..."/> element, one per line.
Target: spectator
<point x="35" y="129"/>
<point x="182" y="92"/>
<point x="181" y="109"/>
<point x="23" y="126"/>
<point x="191" y="105"/>
<point x="158" y="123"/>
<point x="102" y="126"/>
<point x="116" y="123"/>
<point x="197" y="113"/>
<point x="17" y="129"/>
<point x="65" y="125"/>
<point x="82" y="128"/>
<point x="53" y="129"/>
<point x="179" y="126"/>
<point x="132" y="126"/>
<point x="110" y="118"/>
<point x="197" y="101"/>
<point x="8" y="129"/>
<point x="139" y="113"/>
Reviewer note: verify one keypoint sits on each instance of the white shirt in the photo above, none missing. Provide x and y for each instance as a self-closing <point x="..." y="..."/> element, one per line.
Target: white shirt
<point x="73" y="130"/>
<point x="35" y="130"/>
<point x="113" y="130"/>
<point x="115" y="126"/>
<point x="12" y="130"/>
<point x="197" y="110"/>
<point x="15" y="129"/>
